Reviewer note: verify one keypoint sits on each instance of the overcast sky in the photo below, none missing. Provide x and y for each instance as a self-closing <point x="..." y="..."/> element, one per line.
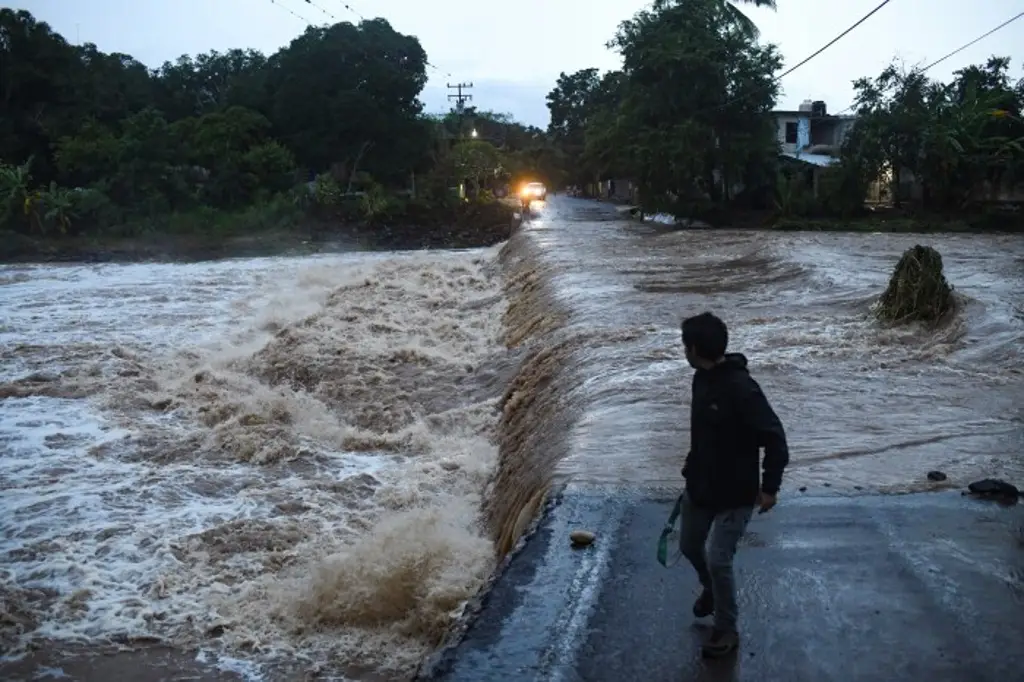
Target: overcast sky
<point x="513" y="52"/>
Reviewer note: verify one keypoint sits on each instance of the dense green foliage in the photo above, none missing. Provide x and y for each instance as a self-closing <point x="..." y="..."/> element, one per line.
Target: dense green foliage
<point x="936" y="150"/>
<point x="330" y="128"/>
<point x="946" y="146"/>
<point x="330" y="125"/>
<point x="524" y="152"/>
<point x="687" y="116"/>
<point x="688" y="120"/>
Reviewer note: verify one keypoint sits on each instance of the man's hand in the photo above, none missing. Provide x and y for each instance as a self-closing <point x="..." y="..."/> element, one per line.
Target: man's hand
<point x="765" y="502"/>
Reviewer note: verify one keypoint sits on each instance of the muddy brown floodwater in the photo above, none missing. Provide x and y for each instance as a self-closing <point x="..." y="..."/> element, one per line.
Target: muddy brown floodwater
<point x="866" y="408"/>
<point x="290" y="466"/>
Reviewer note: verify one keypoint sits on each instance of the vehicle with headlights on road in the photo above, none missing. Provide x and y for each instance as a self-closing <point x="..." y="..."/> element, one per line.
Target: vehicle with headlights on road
<point x="530" y="192"/>
<point x="534" y="191"/>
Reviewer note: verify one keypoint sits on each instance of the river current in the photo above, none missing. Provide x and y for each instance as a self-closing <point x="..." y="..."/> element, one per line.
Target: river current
<point x="291" y="462"/>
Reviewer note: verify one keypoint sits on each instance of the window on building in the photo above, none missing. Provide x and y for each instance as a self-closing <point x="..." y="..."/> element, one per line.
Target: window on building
<point x="791" y="132"/>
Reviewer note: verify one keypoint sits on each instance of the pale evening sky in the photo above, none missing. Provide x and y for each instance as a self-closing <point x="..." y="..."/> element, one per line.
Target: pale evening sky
<point x="513" y="52"/>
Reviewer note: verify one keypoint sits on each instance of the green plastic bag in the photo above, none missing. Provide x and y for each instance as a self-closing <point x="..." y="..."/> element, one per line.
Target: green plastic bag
<point x="666" y="533"/>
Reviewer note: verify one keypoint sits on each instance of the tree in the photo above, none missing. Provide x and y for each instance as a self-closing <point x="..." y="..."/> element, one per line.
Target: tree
<point x="212" y="81"/>
<point x="526" y="151"/>
<point x="690" y="145"/>
<point x="476" y="161"/>
<point x="956" y="142"/>
<point x="15" y="190"/>
<point x="702" y="137"/>
<point x="742" y="20"/>
<point x="38" y="71"/>
<point x="236" y="155"/>
<point x="366" y="81"/>
<point x="89" y="139"/>
<point x="110" y="87"/>
<point x="574" y="101"/>
<point x="570" y="102"/>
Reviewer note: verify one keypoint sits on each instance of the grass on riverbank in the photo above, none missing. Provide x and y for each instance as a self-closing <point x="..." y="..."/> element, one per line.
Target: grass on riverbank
<point x="881" y="219"/>
<point x="272" y="227"/>
<point x="891" y="220"/>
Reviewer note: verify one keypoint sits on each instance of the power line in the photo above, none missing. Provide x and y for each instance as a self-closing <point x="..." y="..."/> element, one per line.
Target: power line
<point x="322" y="10"/>
<point x="351" y="9"/>
<point x="291" y="12"/>
<point x="956" y="51"/>
<point x="362" y="18"/>
<point x="835" y="40"/>
<point x="812" y="56"/>
<point x="978" y="39"/>
<point x="298" y="16"/>
<point x="439" y="70"/>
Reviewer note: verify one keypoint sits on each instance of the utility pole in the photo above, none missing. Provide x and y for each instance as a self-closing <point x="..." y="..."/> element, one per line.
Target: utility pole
<point x="460" y="104"/>
<point x="460" y="99"/>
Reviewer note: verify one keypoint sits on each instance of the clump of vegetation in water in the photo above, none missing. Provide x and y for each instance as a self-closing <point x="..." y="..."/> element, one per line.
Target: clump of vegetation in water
<point x="918" y="290"/>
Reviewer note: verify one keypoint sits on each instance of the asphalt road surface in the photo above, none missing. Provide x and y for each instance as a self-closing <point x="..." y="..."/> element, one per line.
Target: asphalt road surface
<point x="873" y="589"/>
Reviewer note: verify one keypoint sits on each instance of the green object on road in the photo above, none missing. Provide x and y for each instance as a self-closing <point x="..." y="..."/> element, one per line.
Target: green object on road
<point x="666" y="532"/>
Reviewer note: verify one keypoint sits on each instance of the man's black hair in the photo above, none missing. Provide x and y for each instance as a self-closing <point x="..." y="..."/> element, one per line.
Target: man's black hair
<point x="707" y="335"/>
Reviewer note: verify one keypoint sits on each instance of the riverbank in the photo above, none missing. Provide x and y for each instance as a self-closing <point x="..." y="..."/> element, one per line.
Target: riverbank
<point x="467" y="226"/>
<point x="908" y="224"/>
<point x="884" y="219"/>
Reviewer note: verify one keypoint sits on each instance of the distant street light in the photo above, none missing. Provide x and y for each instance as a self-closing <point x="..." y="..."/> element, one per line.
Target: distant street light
<point x="473" y="133"/>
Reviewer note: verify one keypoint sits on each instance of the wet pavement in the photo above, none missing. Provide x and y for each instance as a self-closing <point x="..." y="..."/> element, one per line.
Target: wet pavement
<point x="841" y="582"/>
<point x="848" y="588"/>
<point x="916" y="587"/>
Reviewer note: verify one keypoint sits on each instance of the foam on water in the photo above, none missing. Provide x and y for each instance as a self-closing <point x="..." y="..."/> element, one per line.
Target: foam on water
<point x="278" y="460"/>
<point x="286" y="460"/>
<point x="866" y="406"/>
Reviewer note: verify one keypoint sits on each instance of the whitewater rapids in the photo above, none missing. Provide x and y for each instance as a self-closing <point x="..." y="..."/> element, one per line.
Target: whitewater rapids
<point x="273" y="459"/>
<point x="298" y="465"/>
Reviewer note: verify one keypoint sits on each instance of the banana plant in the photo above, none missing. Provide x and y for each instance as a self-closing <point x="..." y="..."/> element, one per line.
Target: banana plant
<point x="58" y="204"/>
<point x="962" y="150"/>
<point x="15" y="193"/>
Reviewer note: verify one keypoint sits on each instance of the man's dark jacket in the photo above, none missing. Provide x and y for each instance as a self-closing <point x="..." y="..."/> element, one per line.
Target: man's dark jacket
<point x="730" y="421"/>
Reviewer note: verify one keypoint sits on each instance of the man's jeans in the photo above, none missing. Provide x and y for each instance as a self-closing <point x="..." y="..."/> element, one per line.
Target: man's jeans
<point x="714" y="564"/>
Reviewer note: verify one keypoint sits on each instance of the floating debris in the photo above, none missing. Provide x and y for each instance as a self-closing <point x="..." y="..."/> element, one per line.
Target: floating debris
<point x="918" y="290"/>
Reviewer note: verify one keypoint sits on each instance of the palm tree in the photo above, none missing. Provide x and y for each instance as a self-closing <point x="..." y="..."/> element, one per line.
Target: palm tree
<point x="745" y="23"/>
<point x="741" y="20"/>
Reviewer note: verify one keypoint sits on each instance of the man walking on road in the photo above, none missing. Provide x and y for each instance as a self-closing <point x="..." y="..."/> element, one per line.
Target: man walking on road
<point x="730" y="421"/>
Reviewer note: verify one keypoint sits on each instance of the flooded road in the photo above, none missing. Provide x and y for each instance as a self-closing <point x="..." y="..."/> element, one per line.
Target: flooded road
<point x="840" y="587"/>
<point x="866" y="408"/>
<point x="279" y="465"/>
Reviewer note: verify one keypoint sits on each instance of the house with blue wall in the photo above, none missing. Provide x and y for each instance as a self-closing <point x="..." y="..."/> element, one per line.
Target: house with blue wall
<point x="811" y="137"/>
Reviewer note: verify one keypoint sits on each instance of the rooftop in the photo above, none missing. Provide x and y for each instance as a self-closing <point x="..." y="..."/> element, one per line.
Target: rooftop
<point x="815" y="159"/>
